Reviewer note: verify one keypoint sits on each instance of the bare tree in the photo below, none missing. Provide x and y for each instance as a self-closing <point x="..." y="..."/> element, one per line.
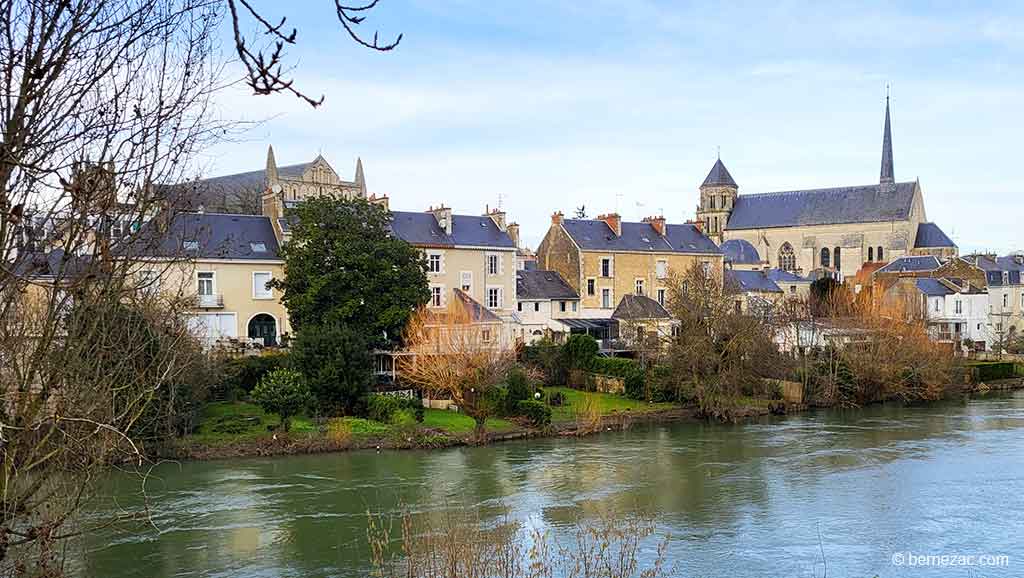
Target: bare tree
<point x="455" y="357"/>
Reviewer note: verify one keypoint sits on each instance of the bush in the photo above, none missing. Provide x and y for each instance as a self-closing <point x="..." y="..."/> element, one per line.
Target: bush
<point x="547" y="356"/>
<point x="338" y="366"/>
<point x="579" y="351"/>
<point x="387" y="408"/>
<point x="536" y="412"/>
<point x="517" y="388"/>
<point x="283" y="392"/>
<point x="992" y="371"/>
<point x="245" y="372"/>
<point x="556" y="399"/>
<point x="629" y="370"/>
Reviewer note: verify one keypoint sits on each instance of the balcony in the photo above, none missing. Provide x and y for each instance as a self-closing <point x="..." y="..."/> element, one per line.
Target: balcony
<point x="210" y="301"/>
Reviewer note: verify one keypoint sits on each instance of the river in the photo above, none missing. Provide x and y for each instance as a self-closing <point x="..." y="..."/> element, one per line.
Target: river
<point x="739" y="500"/>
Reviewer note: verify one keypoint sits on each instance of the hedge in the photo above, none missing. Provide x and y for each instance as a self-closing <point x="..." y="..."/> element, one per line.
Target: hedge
<point x="991" y="371"/>
<point x="537" y="412"/>
<point x="245" y="372"/>
<point x="384" y="408"/>
<point x="629" y="370"/>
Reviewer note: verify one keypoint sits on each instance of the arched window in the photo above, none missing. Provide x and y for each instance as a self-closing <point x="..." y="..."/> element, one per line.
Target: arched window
<point x="787" y="258"/>
<point x="263" y="326"/>
<point x="836" y="259"/>
<point x="712" y="201"/>
<point x="825" y="262"/>
<point x="871" y="253"/>
<point x="715" y="230"/>
<point x="881" y="257"/>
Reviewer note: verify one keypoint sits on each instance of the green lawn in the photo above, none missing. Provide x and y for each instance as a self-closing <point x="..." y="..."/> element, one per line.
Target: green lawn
<point x="458" y="423"/>
<point x="608" y="402"/>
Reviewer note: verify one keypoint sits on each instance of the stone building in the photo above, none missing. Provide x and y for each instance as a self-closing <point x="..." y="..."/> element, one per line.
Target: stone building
<point x="835" y="229"/>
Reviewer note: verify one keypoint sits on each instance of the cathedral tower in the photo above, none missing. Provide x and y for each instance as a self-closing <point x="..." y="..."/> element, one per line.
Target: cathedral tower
<point x="717" y="198"/>
<point x="886" y="177"/>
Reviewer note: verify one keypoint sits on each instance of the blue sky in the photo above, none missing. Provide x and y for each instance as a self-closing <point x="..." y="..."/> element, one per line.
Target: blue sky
<point x="549" y="105"/>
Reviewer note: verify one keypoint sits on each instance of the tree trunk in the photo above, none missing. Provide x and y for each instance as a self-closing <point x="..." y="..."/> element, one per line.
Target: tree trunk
<point x="480" y="429"/>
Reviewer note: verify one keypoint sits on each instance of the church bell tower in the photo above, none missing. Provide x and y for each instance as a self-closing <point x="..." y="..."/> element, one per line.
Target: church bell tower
<point x="717" y="198"/>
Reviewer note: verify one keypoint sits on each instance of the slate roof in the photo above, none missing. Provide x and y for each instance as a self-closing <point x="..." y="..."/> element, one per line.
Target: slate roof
<point x="467" y="230"/>
<point x="929" y="235"/>
<point x="719" y="176"/>
<point x="751" y="281"/>
<point x="219" y="193"/>
<point x="595" y="235"/>
<point x="740" y="252"/>
<point x="933" y="287"/>
<point x="780" y="276"/>
<point x="51" y="264"/>
<point x="833" y="206"/>
<point x="216" y="236"/>
<point x="543" y="285"/>
<point x="639" y="307"/>
<point x="995" y="268"/>
<point x="911" y="264"/>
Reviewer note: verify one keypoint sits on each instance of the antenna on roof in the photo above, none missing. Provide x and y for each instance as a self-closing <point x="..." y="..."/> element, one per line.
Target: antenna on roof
<point x="500" y="196"/>
<point x="719" y="151"/>
<point x="617" y="197"/>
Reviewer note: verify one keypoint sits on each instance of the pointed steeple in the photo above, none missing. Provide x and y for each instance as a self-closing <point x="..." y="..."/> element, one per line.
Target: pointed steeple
<point x="887" y="177"/>
<point x="719" y="176"/>
<point x="271" y="173"/>
<point x="360" y="179"/>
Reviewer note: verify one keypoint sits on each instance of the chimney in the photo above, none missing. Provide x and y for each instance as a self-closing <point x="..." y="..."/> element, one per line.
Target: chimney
<point x="698" y="224"/>
<point x="556" y="218"/>
<point x="657" y="223"/>
<point x="614" y="222"/>
<point x="382" y="201"/>
<point x="513" y="232"/>
<point x="1019" y="258"/>
<point x="444" y="218"/>
<point x="497" y="215"/>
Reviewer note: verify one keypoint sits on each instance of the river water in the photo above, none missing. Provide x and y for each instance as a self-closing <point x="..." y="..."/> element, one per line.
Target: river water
<point x="880" y="485"/>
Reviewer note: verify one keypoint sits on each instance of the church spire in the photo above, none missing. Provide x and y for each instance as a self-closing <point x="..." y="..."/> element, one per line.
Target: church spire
<point x="271" y="172"/>
<point x="886" y="177"/>
<point x="360" y="179"/>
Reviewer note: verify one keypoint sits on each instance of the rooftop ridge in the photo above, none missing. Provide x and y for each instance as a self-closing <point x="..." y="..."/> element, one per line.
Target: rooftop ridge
<point x="822" y="189"/>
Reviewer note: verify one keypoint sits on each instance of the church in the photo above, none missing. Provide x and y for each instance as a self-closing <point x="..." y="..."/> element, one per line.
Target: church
<point x="834" y="230"/>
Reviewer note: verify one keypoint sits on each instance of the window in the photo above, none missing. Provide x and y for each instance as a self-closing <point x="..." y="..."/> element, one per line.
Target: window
<point x="879" y="254"/>
<point x="871" y="253"/>
<point x="606" y="267"/>
<point x="205" y="281"/>
<point x="714" y="220"/>
<point x="836" y="259"/>
<point x="259" y="285"/>
<point x="825" y="261"/>
<point x="706" y="268"/>
<point x="434" y="263"/>
<point x="258" y="247"/>
<point x="493" y="297"/>
<point x="711" y="200"/>
<point x="738" y="306"/>
<point x="792" y="289"/>
<point x="190" y="245"/>
<point x="493" y="264"/>
<point x="467" y="281"/>
<point x="574" y="305"/>
<point x="435" y="296"/>
<point x="661" y="297"/>
<point x="562" y="306"/>
<point x="485" y="335"/>
<point x="1006" y="298"/>
<point x="676" y="331"/>
<point x="959" y="306"/>
<point x="536" y="307"/>
<point x="661" y="269"/>
<point x="606" y="298"/>
<point x="639" y="286"/>
<point x="519" y="306"/>
<point x="590" y="286"/>
<point x="938" y="305"/>
<point x="787" y="258"/>
<point x="1006" y="277"/>
<point x="149" y="280"/>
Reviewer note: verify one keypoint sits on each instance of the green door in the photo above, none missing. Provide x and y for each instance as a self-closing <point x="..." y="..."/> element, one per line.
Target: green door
<point x="264" y="326"/>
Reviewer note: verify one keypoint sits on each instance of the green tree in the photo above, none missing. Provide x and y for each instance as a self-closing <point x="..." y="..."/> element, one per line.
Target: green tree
<point x="337" y="363"/>
<point x="343" y="267"/>
<point x="283" y="392"/>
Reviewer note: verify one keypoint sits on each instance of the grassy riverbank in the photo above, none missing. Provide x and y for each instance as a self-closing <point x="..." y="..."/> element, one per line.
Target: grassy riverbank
<point x="234" y="429"/>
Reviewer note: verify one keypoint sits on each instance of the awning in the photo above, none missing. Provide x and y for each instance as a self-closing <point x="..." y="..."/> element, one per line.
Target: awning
<point x="589" y="324"/>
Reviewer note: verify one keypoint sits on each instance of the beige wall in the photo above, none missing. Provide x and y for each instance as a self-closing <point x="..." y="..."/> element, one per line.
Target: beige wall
<point x="233" y="280"/>
<point x="627" y="268"/>
<point x="474" y="262"/>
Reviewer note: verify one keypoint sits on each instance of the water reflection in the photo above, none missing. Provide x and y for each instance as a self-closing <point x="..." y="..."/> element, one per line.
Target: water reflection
<point x="738" y="499"/>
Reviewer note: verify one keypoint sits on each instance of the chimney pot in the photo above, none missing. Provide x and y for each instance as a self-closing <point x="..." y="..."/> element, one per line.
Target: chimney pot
<point x="614" y="222"/>
<point x="556" y="218"/>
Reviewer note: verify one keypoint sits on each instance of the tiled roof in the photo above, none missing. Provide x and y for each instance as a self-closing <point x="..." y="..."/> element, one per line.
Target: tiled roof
<point x="740" y="252"/>
<point x="595" y="235"/>
<point x="220" y="193"/>
<point x="860" y="204"/>
<point x="933" y="287"/>
<point x="467" y="230"/>
<point x="543" y="285"/>
<point x="929" y="235"/>
<point x="719" y="176"/>
<point x="639" y="307"/>
<point x="205" y="236"/>
<point x="909" y="264"/>
<point x="780" y="276"/>
<point x="755" y="281"/>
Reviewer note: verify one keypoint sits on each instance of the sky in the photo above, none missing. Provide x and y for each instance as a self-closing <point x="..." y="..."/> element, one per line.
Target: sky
<point x="540" y="106"/>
